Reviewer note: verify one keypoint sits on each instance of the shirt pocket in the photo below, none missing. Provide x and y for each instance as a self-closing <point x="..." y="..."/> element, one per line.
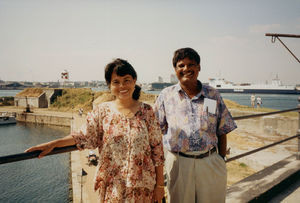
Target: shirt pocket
<point x="208" y="122"/>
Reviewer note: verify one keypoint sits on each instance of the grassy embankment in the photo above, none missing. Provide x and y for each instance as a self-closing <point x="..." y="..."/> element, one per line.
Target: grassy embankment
<point x="74" y="99"/>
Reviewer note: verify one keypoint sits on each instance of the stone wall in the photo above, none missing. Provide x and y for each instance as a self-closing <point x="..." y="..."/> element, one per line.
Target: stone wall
<point x="31" y="101"/>
<point x="44" y="119"/>
<point x="43" y="103"/>
<point x="38" y="102"/>
<point x="52" y="94"/>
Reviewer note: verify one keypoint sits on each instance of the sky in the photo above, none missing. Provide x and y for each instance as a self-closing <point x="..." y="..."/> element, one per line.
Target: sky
<point x="41" y="38"/>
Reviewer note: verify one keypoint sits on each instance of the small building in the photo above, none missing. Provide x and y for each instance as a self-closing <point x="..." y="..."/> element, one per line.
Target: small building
<point x="37" y="97"/>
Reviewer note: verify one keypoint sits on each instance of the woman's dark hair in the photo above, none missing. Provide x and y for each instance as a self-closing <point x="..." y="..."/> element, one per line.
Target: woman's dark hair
<point x="121" y="68"/>
<point x="183" y="53"/>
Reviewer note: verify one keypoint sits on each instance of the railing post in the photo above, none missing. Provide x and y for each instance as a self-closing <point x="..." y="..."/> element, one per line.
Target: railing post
<point x="298" y="132"/>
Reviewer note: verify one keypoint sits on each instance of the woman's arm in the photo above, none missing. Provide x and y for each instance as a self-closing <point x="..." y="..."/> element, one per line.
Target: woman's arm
<point x="159" y="191"/>
<point x="47" y="147"/>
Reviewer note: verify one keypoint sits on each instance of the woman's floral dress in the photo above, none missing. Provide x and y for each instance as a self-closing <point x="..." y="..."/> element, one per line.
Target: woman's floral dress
<point x="129" y="150"/>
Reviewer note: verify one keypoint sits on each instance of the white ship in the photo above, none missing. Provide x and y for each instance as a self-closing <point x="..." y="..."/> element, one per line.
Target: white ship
<point x="276" y="87"/>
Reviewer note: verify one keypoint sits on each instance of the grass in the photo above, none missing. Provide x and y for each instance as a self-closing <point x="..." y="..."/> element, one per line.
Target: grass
<point x="30" y="92"/>
<point x="6" y="101"/>
<point x="237" y="171"/>
<point x="74" y="99"/>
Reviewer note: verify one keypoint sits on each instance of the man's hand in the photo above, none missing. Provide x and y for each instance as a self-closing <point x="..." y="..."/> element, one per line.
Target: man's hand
<point x="158" y="193"/>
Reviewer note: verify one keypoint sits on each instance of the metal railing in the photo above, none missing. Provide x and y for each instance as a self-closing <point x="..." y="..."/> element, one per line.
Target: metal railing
<point x="35" y="154"/>
<point x="275" y="143"/>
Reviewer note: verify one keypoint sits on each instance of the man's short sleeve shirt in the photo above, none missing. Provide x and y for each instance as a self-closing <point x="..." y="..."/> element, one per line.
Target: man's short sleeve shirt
<point x="186" y="125"/>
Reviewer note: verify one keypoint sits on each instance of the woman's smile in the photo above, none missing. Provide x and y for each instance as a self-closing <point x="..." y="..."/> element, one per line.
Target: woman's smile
<point x="122" y="86"/>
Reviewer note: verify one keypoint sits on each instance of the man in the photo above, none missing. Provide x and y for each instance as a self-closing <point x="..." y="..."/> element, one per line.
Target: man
<point x="194" y="121"/>
<point x="252" y="100"/>
<point x="258" y="102"/>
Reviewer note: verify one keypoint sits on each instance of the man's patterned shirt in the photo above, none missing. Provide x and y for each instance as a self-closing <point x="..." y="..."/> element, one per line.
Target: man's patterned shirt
<point x="186" y="125"/>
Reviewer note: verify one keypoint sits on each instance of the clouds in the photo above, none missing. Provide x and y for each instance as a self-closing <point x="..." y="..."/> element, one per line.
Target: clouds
<point x="297" y="24"/>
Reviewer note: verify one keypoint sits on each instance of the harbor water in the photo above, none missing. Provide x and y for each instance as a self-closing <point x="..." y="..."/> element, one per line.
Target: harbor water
<point x="34" y="180"/>
<point x="272" y="101"/>
<point x="9" y="93"/>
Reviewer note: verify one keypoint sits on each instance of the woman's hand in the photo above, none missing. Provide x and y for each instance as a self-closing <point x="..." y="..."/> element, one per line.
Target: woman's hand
<point x="158" y="193"/>
<point x="46" y="148"/>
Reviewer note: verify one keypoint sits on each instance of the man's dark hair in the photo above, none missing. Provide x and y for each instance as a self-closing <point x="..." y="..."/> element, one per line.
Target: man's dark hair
<point x="183" y="53"/>
<point x="121" y="67"/>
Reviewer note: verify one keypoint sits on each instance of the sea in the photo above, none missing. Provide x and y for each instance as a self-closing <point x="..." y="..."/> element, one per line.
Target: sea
<point x="272" y="101"/>
<point x="33" y="180"/>
<point x="9" y="93"/>
<point x="47" y="179"/>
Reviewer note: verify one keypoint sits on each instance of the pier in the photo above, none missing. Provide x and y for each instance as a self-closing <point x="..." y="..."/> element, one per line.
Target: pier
<point x="40" y="116"/>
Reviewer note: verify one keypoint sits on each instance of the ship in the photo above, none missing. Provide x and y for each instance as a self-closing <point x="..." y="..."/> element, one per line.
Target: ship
<point x="156" y="86"/>
<point x="275" y="87"/>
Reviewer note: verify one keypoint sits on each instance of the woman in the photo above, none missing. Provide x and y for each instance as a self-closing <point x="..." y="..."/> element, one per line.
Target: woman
<point x="128" y="138"/>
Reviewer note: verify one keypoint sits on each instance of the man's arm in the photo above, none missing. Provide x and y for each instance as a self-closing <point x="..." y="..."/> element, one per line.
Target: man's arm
<point x="222" y="145"/>
<point x="159" y="110"/>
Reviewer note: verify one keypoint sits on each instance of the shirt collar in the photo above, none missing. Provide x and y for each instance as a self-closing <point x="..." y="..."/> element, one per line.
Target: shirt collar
<point x="179" y="89"/>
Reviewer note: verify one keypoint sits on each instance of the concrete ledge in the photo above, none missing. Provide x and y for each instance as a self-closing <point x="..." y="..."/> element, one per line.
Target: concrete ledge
<point x="44" y="119"/>
<point x="262" y="185"/>
<point x="76" y="170"/>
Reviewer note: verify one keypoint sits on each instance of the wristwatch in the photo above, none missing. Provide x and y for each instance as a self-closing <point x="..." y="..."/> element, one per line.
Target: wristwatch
<point x="160" y="186"/>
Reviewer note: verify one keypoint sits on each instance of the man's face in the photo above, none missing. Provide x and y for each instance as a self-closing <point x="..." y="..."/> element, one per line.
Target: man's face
<point x="187" y="71"/>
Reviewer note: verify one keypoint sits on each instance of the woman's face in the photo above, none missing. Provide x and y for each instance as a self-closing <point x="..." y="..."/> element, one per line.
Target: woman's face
<point x="122" y="86"/>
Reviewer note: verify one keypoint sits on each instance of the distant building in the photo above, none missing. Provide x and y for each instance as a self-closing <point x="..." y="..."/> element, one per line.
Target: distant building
<point x="173" y="79"/>
<point x="160" y="79"/>
<point x="53" y="84"/>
